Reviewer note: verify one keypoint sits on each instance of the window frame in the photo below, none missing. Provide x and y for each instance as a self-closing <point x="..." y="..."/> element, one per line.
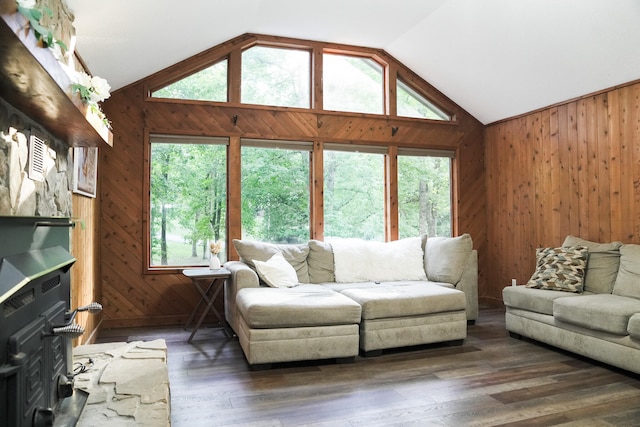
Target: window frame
<point x="425" y="152"/>
<point x="282" y="144"/>
<point x="182" y="138"/>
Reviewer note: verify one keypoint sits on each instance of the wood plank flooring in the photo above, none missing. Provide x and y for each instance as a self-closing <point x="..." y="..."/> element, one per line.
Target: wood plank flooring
<point x="491" y="380"/>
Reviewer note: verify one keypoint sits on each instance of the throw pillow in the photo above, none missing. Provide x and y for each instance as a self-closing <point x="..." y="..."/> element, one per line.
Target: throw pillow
<point x="446" y="257"/>
<point x="560" y="269"/>
<point x="602" y="266"/>
<point x="277" y="272"/>
<point x="628" y="279"/>
<point x="359" y="260"/>
<point x="250" y="251"/>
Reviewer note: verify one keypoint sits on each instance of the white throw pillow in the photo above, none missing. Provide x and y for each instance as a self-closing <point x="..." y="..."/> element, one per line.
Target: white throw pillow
<point x="359" y="260"/>
<point x="277" y="272"/>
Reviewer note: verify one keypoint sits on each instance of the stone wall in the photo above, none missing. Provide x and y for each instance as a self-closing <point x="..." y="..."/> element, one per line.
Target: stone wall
<point x="20" y="195"/>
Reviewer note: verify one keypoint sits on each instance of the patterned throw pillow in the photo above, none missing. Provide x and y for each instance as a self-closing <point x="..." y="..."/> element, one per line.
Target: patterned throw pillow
<point x="560" y="269"/>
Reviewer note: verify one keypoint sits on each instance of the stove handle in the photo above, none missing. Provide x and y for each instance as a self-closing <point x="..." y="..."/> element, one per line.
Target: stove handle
<point x="73" y="330"/>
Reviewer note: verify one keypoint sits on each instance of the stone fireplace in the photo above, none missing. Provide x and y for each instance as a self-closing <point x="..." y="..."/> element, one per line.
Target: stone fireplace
<point x="20" y="195"/>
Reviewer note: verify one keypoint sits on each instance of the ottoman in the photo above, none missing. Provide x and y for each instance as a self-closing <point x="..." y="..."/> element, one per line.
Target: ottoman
<point x="306" y="322"/>
<point x="400" y="315"/>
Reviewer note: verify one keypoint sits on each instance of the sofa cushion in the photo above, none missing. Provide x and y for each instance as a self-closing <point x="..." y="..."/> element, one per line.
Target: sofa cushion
<point x="537" y="300"/>
<point x="446" y="257"/>
<point x="634" y="326"/>
<point x="277" y="272"/>
<point x="304" y="305"/>
<point x="359" y="260"/>
<point x="602" y="265"/>
<point x="388" y="300"/>
<point x="559" y="269"/>
<point x="320" y="261"/>
<point x="628" y="279"/>
<point x="601" y="312"/>
<point x="296" y="255"/>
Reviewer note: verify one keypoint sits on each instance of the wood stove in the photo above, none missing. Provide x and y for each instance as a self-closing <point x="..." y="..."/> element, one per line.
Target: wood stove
<point x="36" y="324"/>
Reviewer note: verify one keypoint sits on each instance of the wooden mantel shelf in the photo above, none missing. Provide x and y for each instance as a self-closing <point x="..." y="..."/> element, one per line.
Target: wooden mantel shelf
<point x="33" y="81"/>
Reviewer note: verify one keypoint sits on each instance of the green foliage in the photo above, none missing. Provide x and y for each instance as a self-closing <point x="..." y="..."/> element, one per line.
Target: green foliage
<point x="354" y="195"/>
<point x="42" y="33"/>
<point x="188" y="197"/>
<point x="209" y="84"/>
<point x="272" y="76"/>
<point x="411" y="104"/>
<point x="424" y="196"/>
<point x="275" y="194"/>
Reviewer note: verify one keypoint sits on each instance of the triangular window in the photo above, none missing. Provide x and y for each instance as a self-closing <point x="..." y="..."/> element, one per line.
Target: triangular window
<point x="412" y="104"/>
<point x="209" y="84"/>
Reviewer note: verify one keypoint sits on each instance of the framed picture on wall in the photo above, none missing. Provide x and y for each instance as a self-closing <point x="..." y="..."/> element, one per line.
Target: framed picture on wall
<point x="85" y="170"/>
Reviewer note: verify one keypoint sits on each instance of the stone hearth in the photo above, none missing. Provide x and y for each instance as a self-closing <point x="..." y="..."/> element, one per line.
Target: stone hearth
<point x="128" y="384"/>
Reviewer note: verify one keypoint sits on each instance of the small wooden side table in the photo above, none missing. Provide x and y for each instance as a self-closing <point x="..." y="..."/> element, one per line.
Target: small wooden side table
<point x="215" y="284"/>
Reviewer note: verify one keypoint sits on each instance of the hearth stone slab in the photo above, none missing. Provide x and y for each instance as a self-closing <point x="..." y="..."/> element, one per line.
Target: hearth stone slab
<point x="128" y="384"/>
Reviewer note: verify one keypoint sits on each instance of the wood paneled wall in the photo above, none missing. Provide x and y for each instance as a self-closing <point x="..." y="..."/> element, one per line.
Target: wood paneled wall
<point x="133" y="298"/>
<point x="85" y="272"/>
<point x="568" y="169"/>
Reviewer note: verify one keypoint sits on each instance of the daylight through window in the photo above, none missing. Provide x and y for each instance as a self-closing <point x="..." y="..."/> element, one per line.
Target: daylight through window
<point x="188" y="199"/>
<point x="424" y="193"/>
<point x="275" y="191"/>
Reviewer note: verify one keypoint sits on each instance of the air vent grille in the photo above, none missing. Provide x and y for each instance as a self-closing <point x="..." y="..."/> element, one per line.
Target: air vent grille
<point x="37" y="150"/>
<point x="50" y="284"/>
<point x="16" y="302"/>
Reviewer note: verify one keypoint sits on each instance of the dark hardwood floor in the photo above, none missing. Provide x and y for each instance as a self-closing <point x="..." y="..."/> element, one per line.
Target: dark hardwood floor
<point x="490" y="380"/>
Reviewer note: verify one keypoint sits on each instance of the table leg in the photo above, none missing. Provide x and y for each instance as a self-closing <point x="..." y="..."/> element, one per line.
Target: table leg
<point x="218" y="287"/>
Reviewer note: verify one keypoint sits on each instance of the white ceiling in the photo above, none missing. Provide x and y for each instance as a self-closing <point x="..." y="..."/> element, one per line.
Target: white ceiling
<point x="494" y="58"/>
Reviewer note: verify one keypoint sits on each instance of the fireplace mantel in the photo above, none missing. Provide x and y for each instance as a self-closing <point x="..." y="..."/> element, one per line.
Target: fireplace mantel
<point x="33" y="81"/>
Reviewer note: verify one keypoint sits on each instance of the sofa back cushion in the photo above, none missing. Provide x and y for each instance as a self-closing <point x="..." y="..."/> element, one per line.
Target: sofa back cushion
<point x="296" y="255"/>
<point x="628" y="279"/>
<point x="602" y="265"/>
<point x="359" y="260"/>
<point x="446" y="257"/>
<point x="320" y="261"/>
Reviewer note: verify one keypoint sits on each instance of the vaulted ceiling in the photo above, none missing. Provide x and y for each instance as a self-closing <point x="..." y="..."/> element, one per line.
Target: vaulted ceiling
<point x="494" y="58"/>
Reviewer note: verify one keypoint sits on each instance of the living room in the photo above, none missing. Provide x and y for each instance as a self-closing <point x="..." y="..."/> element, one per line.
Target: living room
<point x="527" y="170"/>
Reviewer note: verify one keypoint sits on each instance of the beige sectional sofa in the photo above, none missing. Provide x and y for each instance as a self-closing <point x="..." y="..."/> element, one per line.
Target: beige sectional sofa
<point x="599" y="319"/>
<point x="349" y="296"/>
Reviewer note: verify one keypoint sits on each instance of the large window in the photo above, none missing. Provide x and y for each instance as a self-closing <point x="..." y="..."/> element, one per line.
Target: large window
<point x="276" y="76"/>
<point x="188" y="199"/>
<point x="209" y="84"/>
<point x="275" y="191"/>
<point x="352" y="83"/>
<point x="424" y="193"/>
<point x="353" y="194"/>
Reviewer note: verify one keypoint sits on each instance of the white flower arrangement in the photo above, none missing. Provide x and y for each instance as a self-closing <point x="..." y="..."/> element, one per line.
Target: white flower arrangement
<point x="92" y="90"/>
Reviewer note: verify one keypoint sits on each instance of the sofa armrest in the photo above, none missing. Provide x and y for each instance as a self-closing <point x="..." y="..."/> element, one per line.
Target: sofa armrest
<point x="242" y="276"/>
<point x="469" y="285"/>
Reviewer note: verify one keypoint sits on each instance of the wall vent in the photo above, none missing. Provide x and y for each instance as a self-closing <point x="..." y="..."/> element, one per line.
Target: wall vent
<point x="37" y="150"/>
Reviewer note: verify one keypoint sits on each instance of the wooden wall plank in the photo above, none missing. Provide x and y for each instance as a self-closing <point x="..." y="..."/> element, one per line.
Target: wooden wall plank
<point x="585" y="174"/>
